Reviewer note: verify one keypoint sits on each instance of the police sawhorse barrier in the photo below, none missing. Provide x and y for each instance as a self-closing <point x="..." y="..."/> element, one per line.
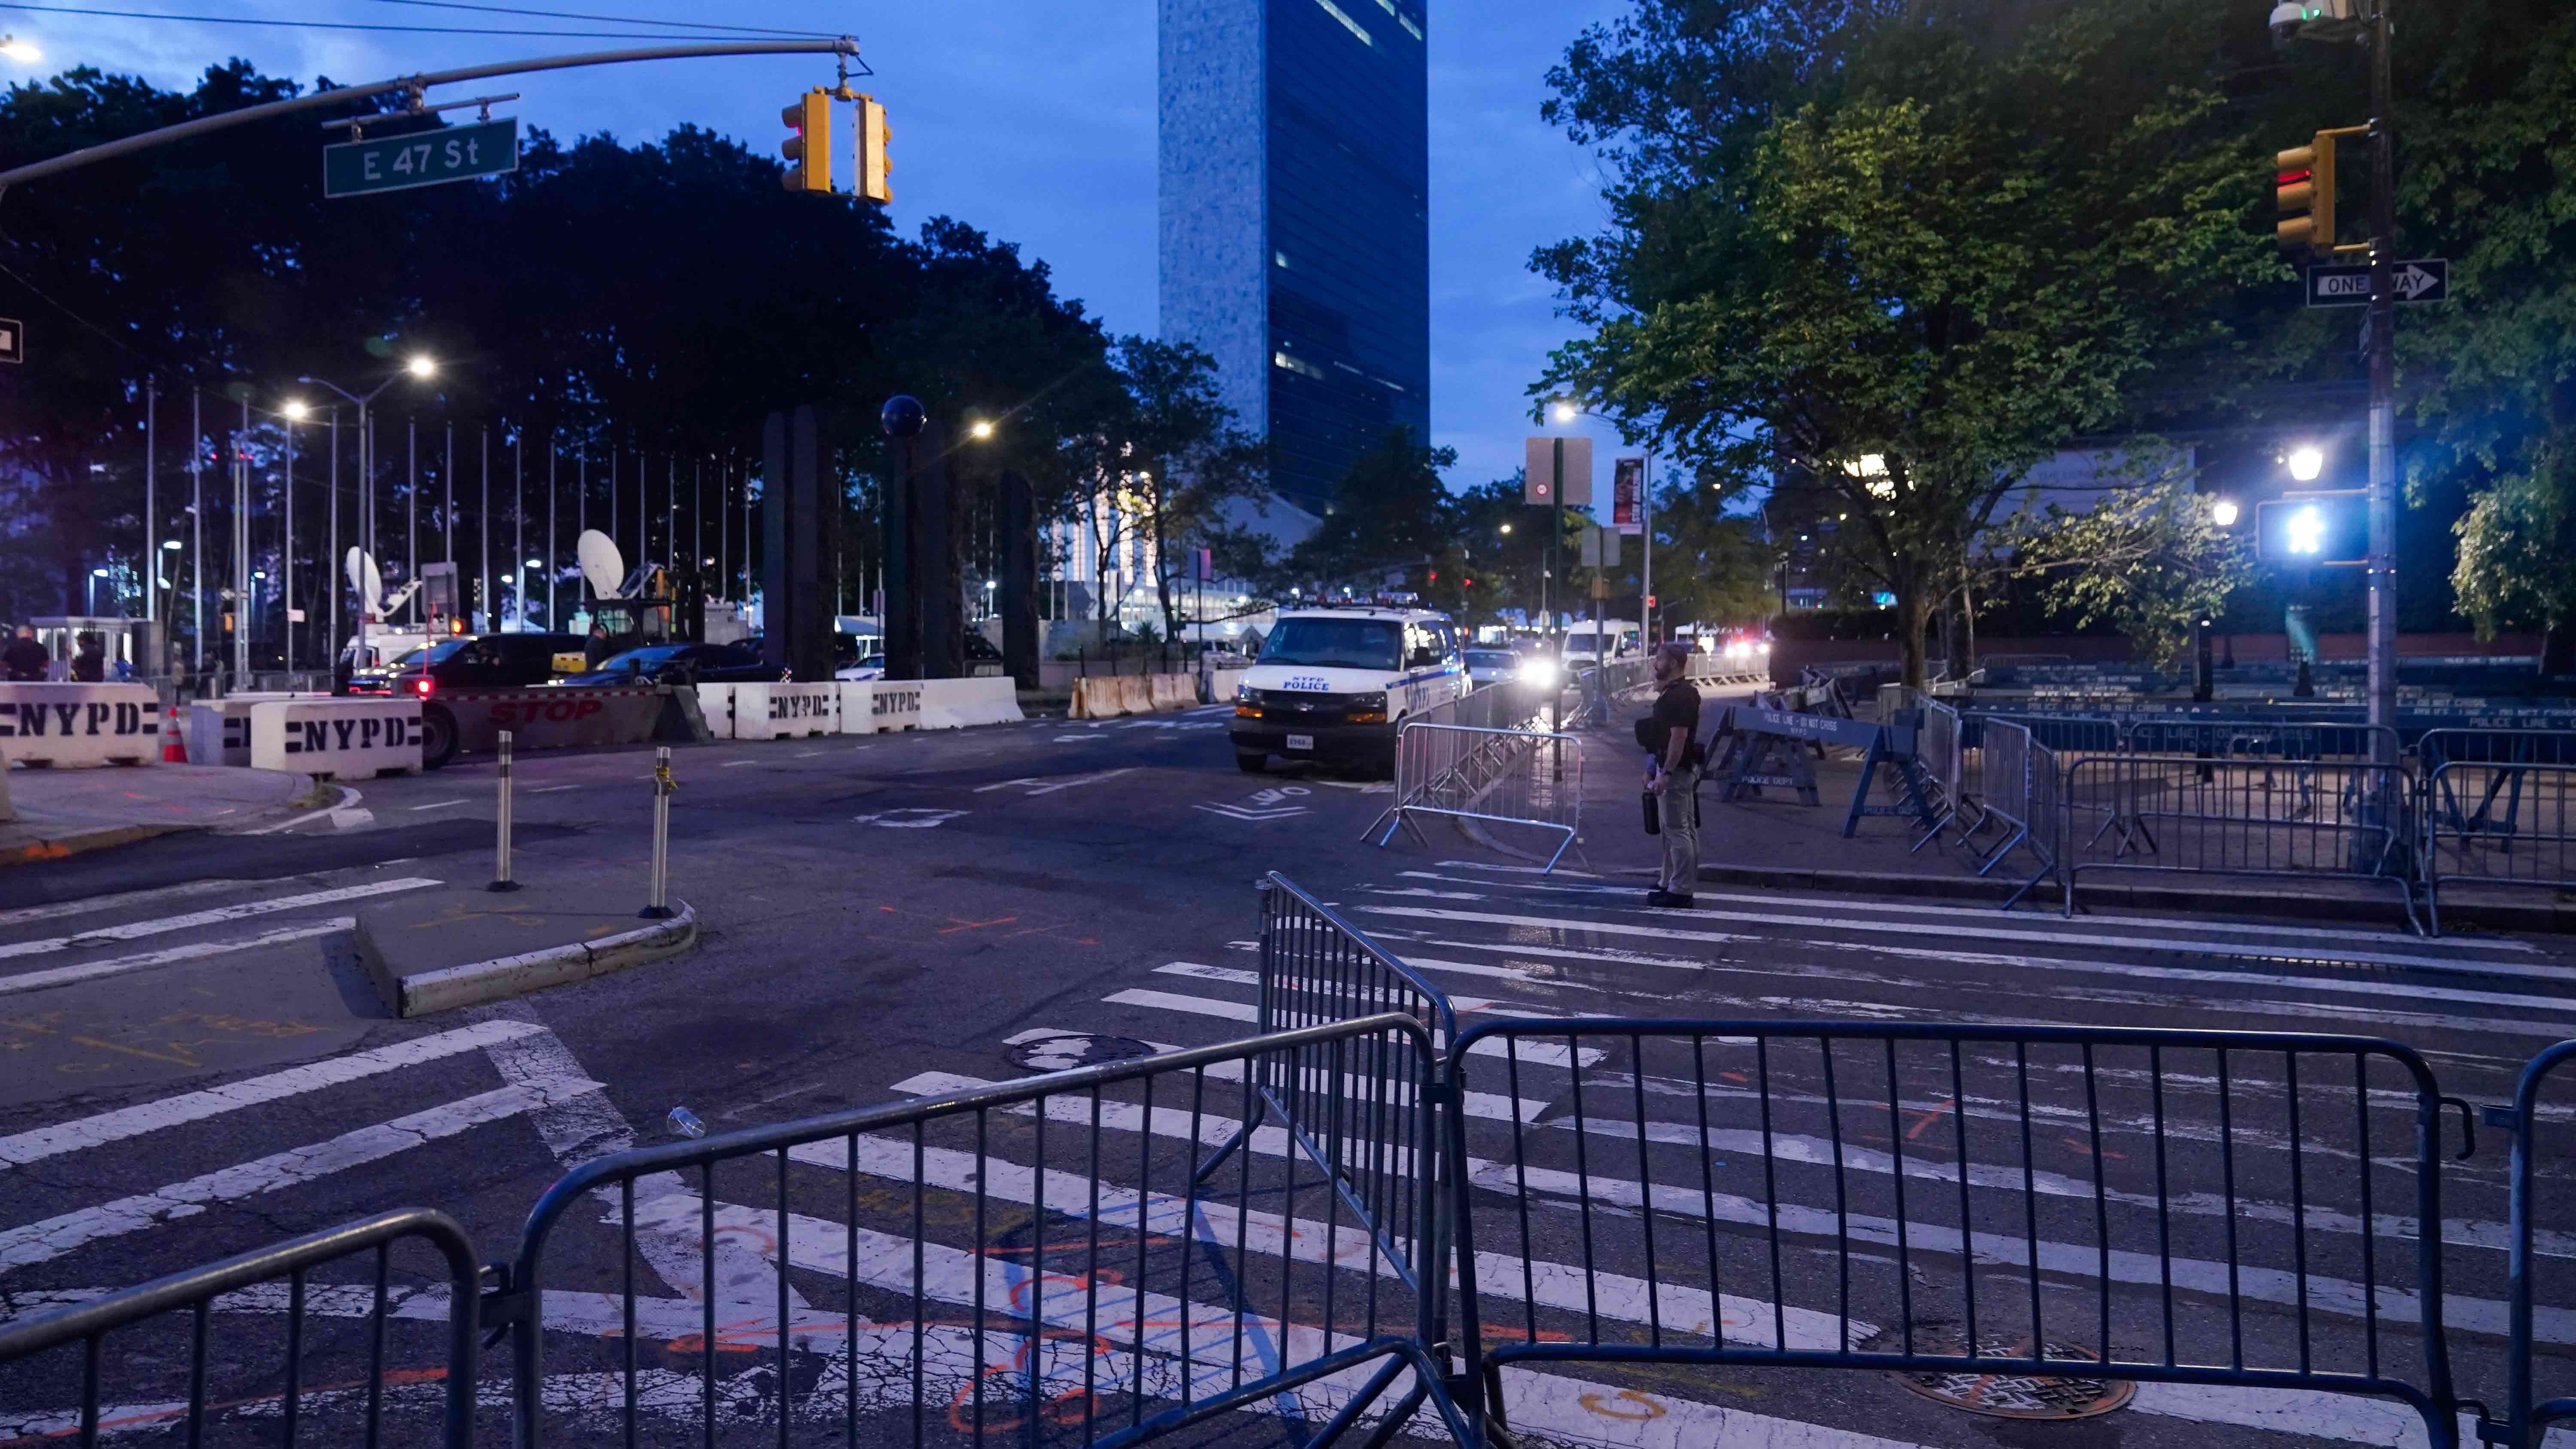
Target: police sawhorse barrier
<point x="1365" y="1219"/>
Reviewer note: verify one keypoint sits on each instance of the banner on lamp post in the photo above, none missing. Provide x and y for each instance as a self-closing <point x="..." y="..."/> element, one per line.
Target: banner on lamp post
<point x="1628" y="496"/>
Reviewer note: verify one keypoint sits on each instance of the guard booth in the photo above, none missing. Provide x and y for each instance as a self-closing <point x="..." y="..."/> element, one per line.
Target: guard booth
<point x="133" y="644"/>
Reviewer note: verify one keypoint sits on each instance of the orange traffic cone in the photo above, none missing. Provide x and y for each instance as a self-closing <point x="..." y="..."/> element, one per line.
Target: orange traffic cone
<point x="174" y="746"/>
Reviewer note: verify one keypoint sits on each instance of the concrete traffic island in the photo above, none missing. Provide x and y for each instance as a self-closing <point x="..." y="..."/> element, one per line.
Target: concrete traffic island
<point x="439" y="950"/>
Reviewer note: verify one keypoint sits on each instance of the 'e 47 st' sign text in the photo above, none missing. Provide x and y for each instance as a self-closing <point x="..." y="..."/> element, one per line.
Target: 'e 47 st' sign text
<point x="426" y="158"/>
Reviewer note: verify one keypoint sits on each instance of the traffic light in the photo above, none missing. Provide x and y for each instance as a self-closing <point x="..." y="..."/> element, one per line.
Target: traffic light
<point x="875" y="169"/>
<point x="809" y="151"/>
<point x="2303" y="187"/>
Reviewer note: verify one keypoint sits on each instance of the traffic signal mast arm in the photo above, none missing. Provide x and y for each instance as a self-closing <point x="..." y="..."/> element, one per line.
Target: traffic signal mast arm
<point x="2303" y="187"/>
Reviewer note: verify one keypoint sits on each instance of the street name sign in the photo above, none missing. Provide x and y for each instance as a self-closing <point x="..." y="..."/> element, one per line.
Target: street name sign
<point x="13" y="340"/>
<point x="2425" y="279"/>
<point x="425" y="158"/>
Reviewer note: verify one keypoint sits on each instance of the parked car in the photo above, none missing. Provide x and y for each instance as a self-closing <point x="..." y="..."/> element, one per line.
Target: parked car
<point x="487" y="661"/>
<point x="872" y="667"/>
<point x="680" y="664"/>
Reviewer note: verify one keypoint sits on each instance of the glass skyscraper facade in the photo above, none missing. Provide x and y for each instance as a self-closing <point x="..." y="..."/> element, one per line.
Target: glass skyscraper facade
<point x="1295" y="229"/>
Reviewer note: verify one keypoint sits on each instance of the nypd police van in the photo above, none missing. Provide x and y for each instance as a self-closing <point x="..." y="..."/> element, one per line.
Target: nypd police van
<point x="1334" y="683"/>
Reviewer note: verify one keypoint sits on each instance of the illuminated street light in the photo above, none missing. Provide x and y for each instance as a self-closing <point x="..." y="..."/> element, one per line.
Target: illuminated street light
<point x="295" y="410"/>
<point x="420" y="366"/>
<point x="2223" y="513"/>
<point x="2306" y="462"/>
<point x="1565" y="412"/>
<point x="19" y="50"/>
<point x="1507" y="528"/>
<point x="979" y="429"/>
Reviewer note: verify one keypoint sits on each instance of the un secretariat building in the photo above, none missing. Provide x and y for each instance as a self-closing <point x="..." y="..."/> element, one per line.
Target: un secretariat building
<point x="1295" y="232"/>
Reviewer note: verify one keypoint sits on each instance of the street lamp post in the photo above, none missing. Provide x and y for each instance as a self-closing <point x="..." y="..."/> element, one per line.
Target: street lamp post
<point x="2383" y="395"/>
<point x="418" y="367"/>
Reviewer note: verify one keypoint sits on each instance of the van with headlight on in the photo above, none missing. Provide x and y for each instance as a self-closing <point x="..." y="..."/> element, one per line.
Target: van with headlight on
<point x="1336" y="683"/>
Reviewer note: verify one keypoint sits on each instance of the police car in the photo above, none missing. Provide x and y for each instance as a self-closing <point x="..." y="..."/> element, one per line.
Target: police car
<point x="1334" y="683"/>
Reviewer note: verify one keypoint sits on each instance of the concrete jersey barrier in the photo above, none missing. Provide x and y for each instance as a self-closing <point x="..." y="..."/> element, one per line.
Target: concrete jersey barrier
<point x="80" y="725"/>
<point x="337" y="738"/>
<point x="1174" y="691"/>
<point x="786" y="711"/>
<point x="948" y="704"/>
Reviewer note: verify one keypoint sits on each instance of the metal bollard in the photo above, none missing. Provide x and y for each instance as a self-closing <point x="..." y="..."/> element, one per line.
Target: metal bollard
<point x="663" y="788"/>
<point x="501" y="880"/>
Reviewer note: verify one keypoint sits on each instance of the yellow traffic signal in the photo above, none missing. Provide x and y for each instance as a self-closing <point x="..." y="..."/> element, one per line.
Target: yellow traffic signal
<point x="875" y="169"/>
<point x="809" y="151"/>
<point x="2303" y="187"/>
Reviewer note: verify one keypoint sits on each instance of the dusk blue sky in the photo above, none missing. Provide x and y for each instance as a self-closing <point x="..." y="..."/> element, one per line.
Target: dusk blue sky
<point x="1033" y="119"/>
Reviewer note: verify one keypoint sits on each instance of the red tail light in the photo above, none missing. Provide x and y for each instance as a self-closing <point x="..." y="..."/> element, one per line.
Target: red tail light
<point x="422" y="685"/>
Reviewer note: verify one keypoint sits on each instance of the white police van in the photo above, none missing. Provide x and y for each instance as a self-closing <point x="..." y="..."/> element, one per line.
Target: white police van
<point x="1335" y="682"/>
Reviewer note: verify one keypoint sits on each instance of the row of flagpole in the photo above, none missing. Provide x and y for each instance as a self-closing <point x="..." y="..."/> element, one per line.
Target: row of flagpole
<point x="731" y="477"/>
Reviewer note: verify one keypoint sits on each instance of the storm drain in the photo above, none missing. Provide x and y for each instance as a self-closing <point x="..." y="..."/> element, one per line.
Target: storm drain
<point x="2005" y="1394"/>
<point x="1077" y="1049"/>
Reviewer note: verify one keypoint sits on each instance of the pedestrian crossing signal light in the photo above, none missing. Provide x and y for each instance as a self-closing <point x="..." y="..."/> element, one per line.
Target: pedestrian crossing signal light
<point x="876" y="169"/>
<point x="809" y="150"/>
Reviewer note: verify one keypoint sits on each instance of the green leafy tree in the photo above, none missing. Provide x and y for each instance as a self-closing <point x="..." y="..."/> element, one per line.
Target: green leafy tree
<point x="1390" y="512"/>
<point x="1904" y="252"/>
<point x="2149" y="561"/>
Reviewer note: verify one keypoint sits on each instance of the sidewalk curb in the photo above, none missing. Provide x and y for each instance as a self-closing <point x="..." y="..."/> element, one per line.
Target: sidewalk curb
<point x="80" y="842"/>
<point x="476" y="982"/>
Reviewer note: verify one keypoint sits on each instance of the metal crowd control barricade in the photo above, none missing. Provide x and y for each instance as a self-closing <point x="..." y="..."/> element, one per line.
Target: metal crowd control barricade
<point x="2498" y="810"/>
<point x="1939" y="746"/>
<point x="2255" y="817"/>
<point x="2527" y="1414"/>
<point x="2172" y="1206"/>
<point x="1502" y="776"/>
<point x="2530" y="840"/>
<point x="306" y="1354"/>
<point x="1057" y="1258"/>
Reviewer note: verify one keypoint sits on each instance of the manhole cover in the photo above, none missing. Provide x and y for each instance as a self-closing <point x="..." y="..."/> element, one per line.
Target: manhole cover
<point x="2005" y="1395"/>
<point x="1077" y="1049"/>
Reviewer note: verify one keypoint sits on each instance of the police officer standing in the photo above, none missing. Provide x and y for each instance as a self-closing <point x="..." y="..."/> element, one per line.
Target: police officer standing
<point x="1672" y="774"/>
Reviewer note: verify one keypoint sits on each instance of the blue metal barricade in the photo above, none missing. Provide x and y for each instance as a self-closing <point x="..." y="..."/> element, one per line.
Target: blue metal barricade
<point x="2521" y="833"/>
<point x="317" y="1360"/>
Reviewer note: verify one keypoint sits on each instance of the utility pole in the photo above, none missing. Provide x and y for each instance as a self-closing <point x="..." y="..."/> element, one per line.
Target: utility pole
<point x="2383" y="389"/>
<point x="197" y="533"/>
<point x="151" y="515"/>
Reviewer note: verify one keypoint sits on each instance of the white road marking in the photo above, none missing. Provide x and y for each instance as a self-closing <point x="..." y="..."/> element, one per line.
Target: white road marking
<point x="807" y="754"/>
<point x="2291" y="935"/>
<point x="40" y="1242"/>
<point x="577" y="1127"/>
<point x="1546" y="1053"/>
<point x="550" y="789"/>
<point x="168" y="955"/>
<point x="736" y="764"/>
<point x="1990" y="932"/>
<point x="89" y="905"/>
<point x="436" y="805"/>
<point x="40" y="1143"/>
<point x="136" y="930"/>
<point x="348" y="799"/>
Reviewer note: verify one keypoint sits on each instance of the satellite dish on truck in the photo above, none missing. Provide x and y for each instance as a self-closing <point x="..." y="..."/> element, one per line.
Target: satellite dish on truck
<point x="601" y="564"/>
<point x="369" y="584"/>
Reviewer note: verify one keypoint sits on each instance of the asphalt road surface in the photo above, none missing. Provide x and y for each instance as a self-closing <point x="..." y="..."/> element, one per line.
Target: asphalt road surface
<point x="195" y="1065"/>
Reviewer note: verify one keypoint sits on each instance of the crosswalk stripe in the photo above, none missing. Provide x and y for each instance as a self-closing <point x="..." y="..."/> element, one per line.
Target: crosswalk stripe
<point x="92" y="905"/>
<point x="43" y="1241"/>
<point x="2163" y="926"/>
<point x="1546" y="1053"/>
<point x="1483" y="1104"/>
<point x="169" y="955"/>
<point x="2317" y="1292"/>
<point x="40" y="1143"/>
<point x="1830" y="1007"/>
<point x="1911" y="928"/>
<point x="136" y="930"/>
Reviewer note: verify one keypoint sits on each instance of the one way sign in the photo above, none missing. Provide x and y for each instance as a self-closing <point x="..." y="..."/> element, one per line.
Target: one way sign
<point x="2427" y="279"/>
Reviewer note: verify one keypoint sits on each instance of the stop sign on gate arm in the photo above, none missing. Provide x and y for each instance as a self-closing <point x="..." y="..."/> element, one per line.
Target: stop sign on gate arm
<point x="423" y="158"/>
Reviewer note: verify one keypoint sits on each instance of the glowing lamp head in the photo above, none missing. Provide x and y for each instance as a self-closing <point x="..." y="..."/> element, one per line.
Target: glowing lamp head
<point x="979" y="430"/>
<point x="2306" y="462"/>
<point x="1564" y="412"/>
<point x="19" y="50"/>
<point x="421" y="366"/>
<point x="296" y="411"/>
<point x="2223" y="513"/>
